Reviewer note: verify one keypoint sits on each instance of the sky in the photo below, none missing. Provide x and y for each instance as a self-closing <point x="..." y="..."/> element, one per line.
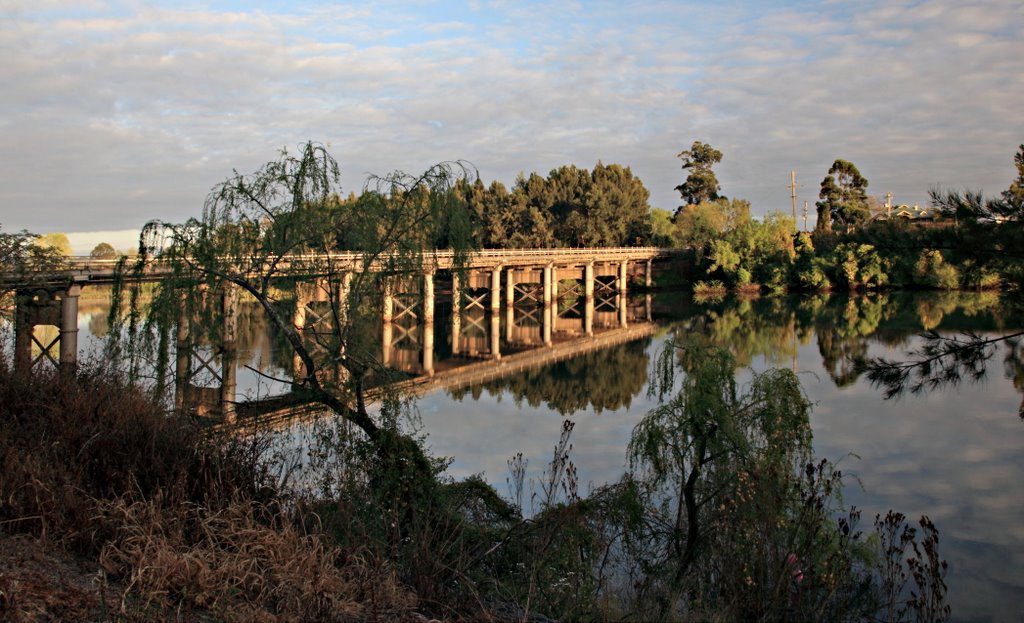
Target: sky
<point x="116" y="113"/>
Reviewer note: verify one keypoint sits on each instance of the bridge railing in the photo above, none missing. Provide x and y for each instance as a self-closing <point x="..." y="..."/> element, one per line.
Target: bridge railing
<point x="88" y="268"/>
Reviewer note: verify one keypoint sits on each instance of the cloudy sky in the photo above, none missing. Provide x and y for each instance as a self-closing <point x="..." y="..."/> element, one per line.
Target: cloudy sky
<point x="114" y="113"/>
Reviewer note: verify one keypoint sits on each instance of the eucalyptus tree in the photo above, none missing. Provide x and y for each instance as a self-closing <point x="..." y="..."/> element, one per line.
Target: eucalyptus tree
<point x="843" y="197"/>
<point x="282" y="227"/>
<point x="701" y="184"/>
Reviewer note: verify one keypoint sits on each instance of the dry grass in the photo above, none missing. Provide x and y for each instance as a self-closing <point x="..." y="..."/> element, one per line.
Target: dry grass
<point x="186" y="522"/>
<point x="243" y="563"/>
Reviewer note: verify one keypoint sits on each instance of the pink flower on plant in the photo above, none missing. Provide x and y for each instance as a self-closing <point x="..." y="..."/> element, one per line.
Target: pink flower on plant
<point x="797" y="574"/>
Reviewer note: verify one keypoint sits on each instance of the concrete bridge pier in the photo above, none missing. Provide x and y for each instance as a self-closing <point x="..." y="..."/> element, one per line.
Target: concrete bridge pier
<point x="302" y="298"/>
<point x="303" y="295"/>
<point x="456" y="293"/>
<point x="496" y="288"/>
<point x="344" y="290"/>
<point x="387" y="343"/>
<point x="388" y="302"/>
<point x="510" y="286"/>
<point x="456" y="312"/>
<point x="229" y="353"/>
<point x="623" y="277"/>
<point x="182" y="356"/>
<point x="428" y="297"/>
<point x="620" y="305"/>
<point x="57" y="308"/>
<point x="220" y="398"/>
<point x="588" y="280"/>
<point x="547" y="285"/>
<point x="23" y="329"/>
<point x="69" y="328"/>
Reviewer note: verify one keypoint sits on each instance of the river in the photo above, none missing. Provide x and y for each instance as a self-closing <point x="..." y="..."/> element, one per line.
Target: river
<point x="953" y="453"/>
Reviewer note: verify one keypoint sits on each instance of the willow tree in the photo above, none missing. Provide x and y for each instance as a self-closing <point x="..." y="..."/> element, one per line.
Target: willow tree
<point x="285" y="226"/>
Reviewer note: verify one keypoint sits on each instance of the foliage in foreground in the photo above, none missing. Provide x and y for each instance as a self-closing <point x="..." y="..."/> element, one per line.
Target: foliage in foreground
<point x="726" y="514"/>
<point x="180" y="518"/>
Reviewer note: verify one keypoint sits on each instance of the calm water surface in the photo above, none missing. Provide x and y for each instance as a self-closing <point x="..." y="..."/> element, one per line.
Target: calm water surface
<point x="953" y="454"/>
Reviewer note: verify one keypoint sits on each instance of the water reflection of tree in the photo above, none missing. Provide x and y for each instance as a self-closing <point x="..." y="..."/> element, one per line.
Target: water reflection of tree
<point x="1013" y="364"/>
<point x="605" y="379"/>
<point x="843" y="329"/>
<point x="734" y="500"/>
<point x="748" y="328"/>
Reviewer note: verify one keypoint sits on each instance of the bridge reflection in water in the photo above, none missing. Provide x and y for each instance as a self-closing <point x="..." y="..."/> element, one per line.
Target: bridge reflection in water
<point x="467" y="344"/>
<point x="455" y="339"/>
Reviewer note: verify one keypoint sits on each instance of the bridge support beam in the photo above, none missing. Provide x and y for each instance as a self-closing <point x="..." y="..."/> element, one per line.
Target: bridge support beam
<point x="69" y="328"/>
<point x="22" y="334"/>
<point x="54" y="307"/>
<point x="229" y="354"/>
<point x="623" y="275"/>
<point x="456" y="313"/>
<point x="588" y="280"/>
<point x="496" y="288"/>
<point x="344" y="289"/>
<point x="456" y="292"/>
<point x="388" y="301"/>
<point x="510" y="286"/>
<point x="649" y="274"/>
<point x="428" y="297"/>
<point x="386" y="343"/>
<point x="547" y="284"/>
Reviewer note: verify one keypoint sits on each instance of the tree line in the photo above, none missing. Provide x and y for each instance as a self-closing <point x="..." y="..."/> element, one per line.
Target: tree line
<point x="972" y="241"/>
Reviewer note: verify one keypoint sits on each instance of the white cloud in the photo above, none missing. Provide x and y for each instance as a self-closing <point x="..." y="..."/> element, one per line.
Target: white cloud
<point x="138" y="113"/>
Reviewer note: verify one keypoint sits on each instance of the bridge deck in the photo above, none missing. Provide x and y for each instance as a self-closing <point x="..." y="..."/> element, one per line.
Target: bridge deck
<point x="89" y="270"/>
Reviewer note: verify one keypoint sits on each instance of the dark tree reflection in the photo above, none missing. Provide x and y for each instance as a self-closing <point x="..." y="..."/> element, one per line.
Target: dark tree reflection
<point x="602" y="380"/>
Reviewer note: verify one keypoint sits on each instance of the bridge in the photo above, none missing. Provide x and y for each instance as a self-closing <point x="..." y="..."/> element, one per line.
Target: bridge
<point x="482" y="281"/>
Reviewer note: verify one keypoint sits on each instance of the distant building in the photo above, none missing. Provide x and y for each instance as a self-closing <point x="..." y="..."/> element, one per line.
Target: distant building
<point x="913" y="214"/>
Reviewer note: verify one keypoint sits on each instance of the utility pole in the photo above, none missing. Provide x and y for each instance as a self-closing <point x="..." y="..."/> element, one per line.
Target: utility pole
<point x="888" y="205"/>
<point x="792" y="189"/>
<point x="805" y="216"/>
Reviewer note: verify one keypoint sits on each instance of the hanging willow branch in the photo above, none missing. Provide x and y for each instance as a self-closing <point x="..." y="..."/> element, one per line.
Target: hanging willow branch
<point x="268" y="233"/>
